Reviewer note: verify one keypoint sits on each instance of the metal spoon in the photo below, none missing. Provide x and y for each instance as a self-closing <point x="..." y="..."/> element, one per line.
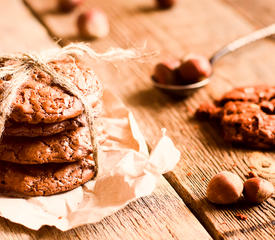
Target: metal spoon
<point x="184" y="90"/>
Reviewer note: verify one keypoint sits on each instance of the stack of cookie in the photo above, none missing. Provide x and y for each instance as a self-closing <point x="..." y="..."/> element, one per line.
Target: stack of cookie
<point x="45" y="148"/>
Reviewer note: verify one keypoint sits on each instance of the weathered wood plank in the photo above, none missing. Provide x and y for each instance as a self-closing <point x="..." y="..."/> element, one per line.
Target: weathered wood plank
<point x="201" y="26"/>
<point x="162" y="215"/>
<point x="146" y="218"/>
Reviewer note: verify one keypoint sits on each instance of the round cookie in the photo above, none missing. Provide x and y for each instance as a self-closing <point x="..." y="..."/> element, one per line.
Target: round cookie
<point x="64" y="147"/>
<point x="42" y="129"/>
<point x="246" y="116"/>
<point x="44" y="179"/>
<point x="41" y="101"/>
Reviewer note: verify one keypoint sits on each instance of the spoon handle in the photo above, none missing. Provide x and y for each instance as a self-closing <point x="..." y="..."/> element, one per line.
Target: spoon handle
<point x="252" y="37"/>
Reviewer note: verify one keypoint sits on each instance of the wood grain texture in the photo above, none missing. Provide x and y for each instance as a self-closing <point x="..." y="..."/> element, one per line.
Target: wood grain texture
<point x="19" y="31"/>
<point x="260" y="13"/>
<point x="198" y="26"/>
<point x="147" y="218"/>
<point x="162" y="215"/>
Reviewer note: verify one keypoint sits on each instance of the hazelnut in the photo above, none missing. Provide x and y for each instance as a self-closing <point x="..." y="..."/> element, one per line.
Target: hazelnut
<point x="257" y="190"/>
<point x="224" y="188"/>
<point x="194" y="68"/>
<point x="68" y="5"/>
<point x="93" y="24"/>
<point x="165" y="72"/>
<point x="164" y="4"/>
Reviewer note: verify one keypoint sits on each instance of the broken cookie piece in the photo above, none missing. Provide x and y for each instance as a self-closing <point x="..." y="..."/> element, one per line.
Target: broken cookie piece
<point x="246" y="116"/>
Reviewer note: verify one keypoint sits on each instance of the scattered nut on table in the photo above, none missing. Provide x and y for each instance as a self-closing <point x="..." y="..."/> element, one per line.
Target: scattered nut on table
<point x="164" y="4"/>
<point x="68" y="5"/>
<point x="93" y="24"/>
<point x="225" y="188"/>
<point x="257" y="190"/>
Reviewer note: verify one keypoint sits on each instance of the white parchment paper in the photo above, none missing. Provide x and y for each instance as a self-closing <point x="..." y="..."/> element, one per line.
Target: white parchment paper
<point x="127" y="172"/>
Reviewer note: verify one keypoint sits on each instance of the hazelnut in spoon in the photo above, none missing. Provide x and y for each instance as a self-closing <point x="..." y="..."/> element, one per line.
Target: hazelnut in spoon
<point x="194" y="69"/>
<point x="182" y="77"/>
<point x="165" y="73"/>
<point x="195" y="73"/>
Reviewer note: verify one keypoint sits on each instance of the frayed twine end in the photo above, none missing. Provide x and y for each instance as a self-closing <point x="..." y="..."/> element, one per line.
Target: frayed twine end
<point x="111" y="55"/>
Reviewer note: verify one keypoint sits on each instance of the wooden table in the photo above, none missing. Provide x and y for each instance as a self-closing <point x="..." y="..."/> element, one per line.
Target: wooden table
<point x="178" y="208"/>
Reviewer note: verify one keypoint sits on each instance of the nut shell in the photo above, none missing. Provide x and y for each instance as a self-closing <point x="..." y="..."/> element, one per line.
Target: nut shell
<point x="225" y="188"/>
<point x="257" y="190"/>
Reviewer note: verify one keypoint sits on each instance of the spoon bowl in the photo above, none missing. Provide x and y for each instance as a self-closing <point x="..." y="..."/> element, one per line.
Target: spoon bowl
<point x="187" y="89"/>
<point x="181" y="90"/>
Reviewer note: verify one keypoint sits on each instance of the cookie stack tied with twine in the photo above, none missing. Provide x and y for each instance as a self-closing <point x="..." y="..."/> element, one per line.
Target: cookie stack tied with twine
<point x="49" y="106"/>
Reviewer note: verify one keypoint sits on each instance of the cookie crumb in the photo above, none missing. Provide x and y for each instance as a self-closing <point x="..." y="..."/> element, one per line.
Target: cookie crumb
<point x="251" y="174"/>
<point x="241" y="216"/>
<point x="252" y="167"/>
<point x="189" y="174"/>
<point x="203" y="178"/>
<point x="266" y="164"/>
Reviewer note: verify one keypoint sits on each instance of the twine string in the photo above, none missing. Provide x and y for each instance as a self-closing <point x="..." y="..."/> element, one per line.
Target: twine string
<point x="23" y="63"/>
<point x="67" y="84"/>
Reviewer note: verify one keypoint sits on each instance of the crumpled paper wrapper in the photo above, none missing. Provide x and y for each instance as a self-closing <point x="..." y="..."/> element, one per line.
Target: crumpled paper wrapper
<point x="126" y="172"/>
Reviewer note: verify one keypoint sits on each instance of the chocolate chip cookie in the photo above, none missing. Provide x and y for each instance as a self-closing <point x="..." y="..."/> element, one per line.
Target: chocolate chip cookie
<point x="68" y="146"/>
<point x="41" y="101"/>
<point x="44" y="179"/>
<point x="42" y="129"/>
<point x="246" y="116"/>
